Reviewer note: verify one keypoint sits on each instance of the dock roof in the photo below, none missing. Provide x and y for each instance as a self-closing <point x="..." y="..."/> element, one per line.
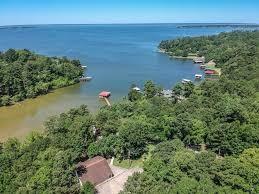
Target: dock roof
<point x="105" y="94"/>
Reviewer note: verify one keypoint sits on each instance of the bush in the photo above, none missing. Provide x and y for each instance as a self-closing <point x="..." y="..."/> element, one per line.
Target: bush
<point x="88" y="188"/>
<point x="6" y="100"/>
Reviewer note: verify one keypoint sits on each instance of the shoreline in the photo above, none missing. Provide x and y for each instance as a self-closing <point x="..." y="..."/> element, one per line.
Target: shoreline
<point x="49" y="92"/>
<point x="176" y="57"/>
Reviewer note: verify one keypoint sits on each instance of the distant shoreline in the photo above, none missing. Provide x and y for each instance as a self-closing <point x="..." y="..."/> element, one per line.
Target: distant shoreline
<point x="178" y="25"/>
<point x="219" y="26"/>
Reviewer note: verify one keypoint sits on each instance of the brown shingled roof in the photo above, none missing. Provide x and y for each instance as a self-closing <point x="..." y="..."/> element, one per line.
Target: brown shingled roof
<point x="95" y="170"/>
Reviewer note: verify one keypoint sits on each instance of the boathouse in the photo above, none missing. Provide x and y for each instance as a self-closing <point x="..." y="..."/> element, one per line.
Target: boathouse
<point x="211" y="72"/>
<point x="105" y="94"/>
<point x="198" y="76"/>
<point x="95" y="171"/>
<point x="199" y="60"/>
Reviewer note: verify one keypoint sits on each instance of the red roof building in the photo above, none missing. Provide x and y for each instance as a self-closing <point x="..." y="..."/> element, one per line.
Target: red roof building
<point x="95" y="170"/>
<point x="105" y="94"/>
<point x="210" y="72"/>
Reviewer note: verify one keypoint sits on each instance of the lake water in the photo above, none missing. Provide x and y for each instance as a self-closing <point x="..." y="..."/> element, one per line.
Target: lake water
<point x="116" y="56"/>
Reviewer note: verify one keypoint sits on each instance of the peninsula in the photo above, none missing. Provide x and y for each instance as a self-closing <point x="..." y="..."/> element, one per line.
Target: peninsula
<point x="24" y="74"/>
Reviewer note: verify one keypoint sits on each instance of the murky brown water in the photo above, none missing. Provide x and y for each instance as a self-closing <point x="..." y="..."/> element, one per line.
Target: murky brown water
<point x="18" y="120"/>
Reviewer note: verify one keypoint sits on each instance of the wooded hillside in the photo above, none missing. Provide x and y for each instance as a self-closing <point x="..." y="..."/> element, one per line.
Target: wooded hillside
<point x="24" y="74"/>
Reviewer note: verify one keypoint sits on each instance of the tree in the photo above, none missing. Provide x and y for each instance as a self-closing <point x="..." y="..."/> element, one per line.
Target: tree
<point x="133" y="94"/>
<point x="135" y="134"/>
<point x="188" y="89"/>
<point x="150" y="89"/>
<point x="5" y="100"/>
<point x="10" y="56"/>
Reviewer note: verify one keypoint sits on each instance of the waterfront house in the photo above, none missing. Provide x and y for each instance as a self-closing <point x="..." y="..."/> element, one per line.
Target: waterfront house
<point x="211" y="64"/>
<point x="167" y="93"/>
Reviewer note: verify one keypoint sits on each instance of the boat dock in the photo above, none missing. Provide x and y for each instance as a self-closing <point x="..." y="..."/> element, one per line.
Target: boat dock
<point x="198" y="76"/>
<point x="107" y="101"/>
<point x="185" y="81"/>
<point x="105" y="95"/>
<point x="84" y="79"/>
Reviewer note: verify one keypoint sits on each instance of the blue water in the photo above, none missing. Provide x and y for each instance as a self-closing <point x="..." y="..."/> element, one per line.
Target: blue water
<point x="116" y="55"/>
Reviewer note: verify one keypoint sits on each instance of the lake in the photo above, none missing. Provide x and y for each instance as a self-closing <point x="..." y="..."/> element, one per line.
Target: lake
<point x="116" y="56"/>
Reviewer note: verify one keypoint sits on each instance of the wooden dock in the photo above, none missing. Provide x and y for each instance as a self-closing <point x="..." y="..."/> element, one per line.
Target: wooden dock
<point x="107" y="101"/>
<point x="85" y="79"/>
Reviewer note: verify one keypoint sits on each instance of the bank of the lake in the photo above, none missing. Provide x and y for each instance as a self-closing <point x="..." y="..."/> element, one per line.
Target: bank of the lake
<point x="23" y="117"/>
<point x="116" y="56"/>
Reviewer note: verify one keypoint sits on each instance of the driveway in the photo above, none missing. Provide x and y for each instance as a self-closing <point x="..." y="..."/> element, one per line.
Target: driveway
<point x="115" y="184"/>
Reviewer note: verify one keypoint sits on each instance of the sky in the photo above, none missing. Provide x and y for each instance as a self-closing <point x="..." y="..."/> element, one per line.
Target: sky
<point x="18" y="12"/>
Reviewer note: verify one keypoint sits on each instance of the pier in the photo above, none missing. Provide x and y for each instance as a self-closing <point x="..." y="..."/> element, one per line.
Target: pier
<point x="84" y="79"/>
<point x="107" y="101"/>
<point x="105" y="95"/>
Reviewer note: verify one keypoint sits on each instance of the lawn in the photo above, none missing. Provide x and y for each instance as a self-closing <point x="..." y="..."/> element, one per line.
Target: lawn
<point x="138" y="163"/>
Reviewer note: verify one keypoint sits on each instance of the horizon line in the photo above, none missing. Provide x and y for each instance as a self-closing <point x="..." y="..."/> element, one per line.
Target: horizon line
<point x="223" y="23"/>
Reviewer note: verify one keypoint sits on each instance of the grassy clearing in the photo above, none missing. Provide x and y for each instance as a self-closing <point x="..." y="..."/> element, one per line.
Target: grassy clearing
<point x="138" y="163"/>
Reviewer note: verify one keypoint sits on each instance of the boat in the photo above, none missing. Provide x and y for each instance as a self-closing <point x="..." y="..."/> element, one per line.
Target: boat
<point x="185" y="81"/>
<point x="136" y="89"/>
<point x="198" y="76"/>
<point x="88" y="78"/>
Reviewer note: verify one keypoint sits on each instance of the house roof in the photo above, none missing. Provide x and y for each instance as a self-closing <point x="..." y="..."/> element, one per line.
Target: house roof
<point x="95" y="170"/>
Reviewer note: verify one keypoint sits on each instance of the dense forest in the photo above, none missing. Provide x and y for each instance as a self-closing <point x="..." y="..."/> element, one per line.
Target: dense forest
<point x="221" y="116"/>
<point x="24" y="74"/>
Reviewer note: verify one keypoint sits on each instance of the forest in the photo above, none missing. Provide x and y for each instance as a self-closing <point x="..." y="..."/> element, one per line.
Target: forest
<point x="24" y="74"/>
<point x="207" y="141"/>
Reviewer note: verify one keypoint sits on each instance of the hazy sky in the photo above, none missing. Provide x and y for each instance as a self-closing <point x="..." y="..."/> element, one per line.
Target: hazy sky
<point x="126" y="11"/>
